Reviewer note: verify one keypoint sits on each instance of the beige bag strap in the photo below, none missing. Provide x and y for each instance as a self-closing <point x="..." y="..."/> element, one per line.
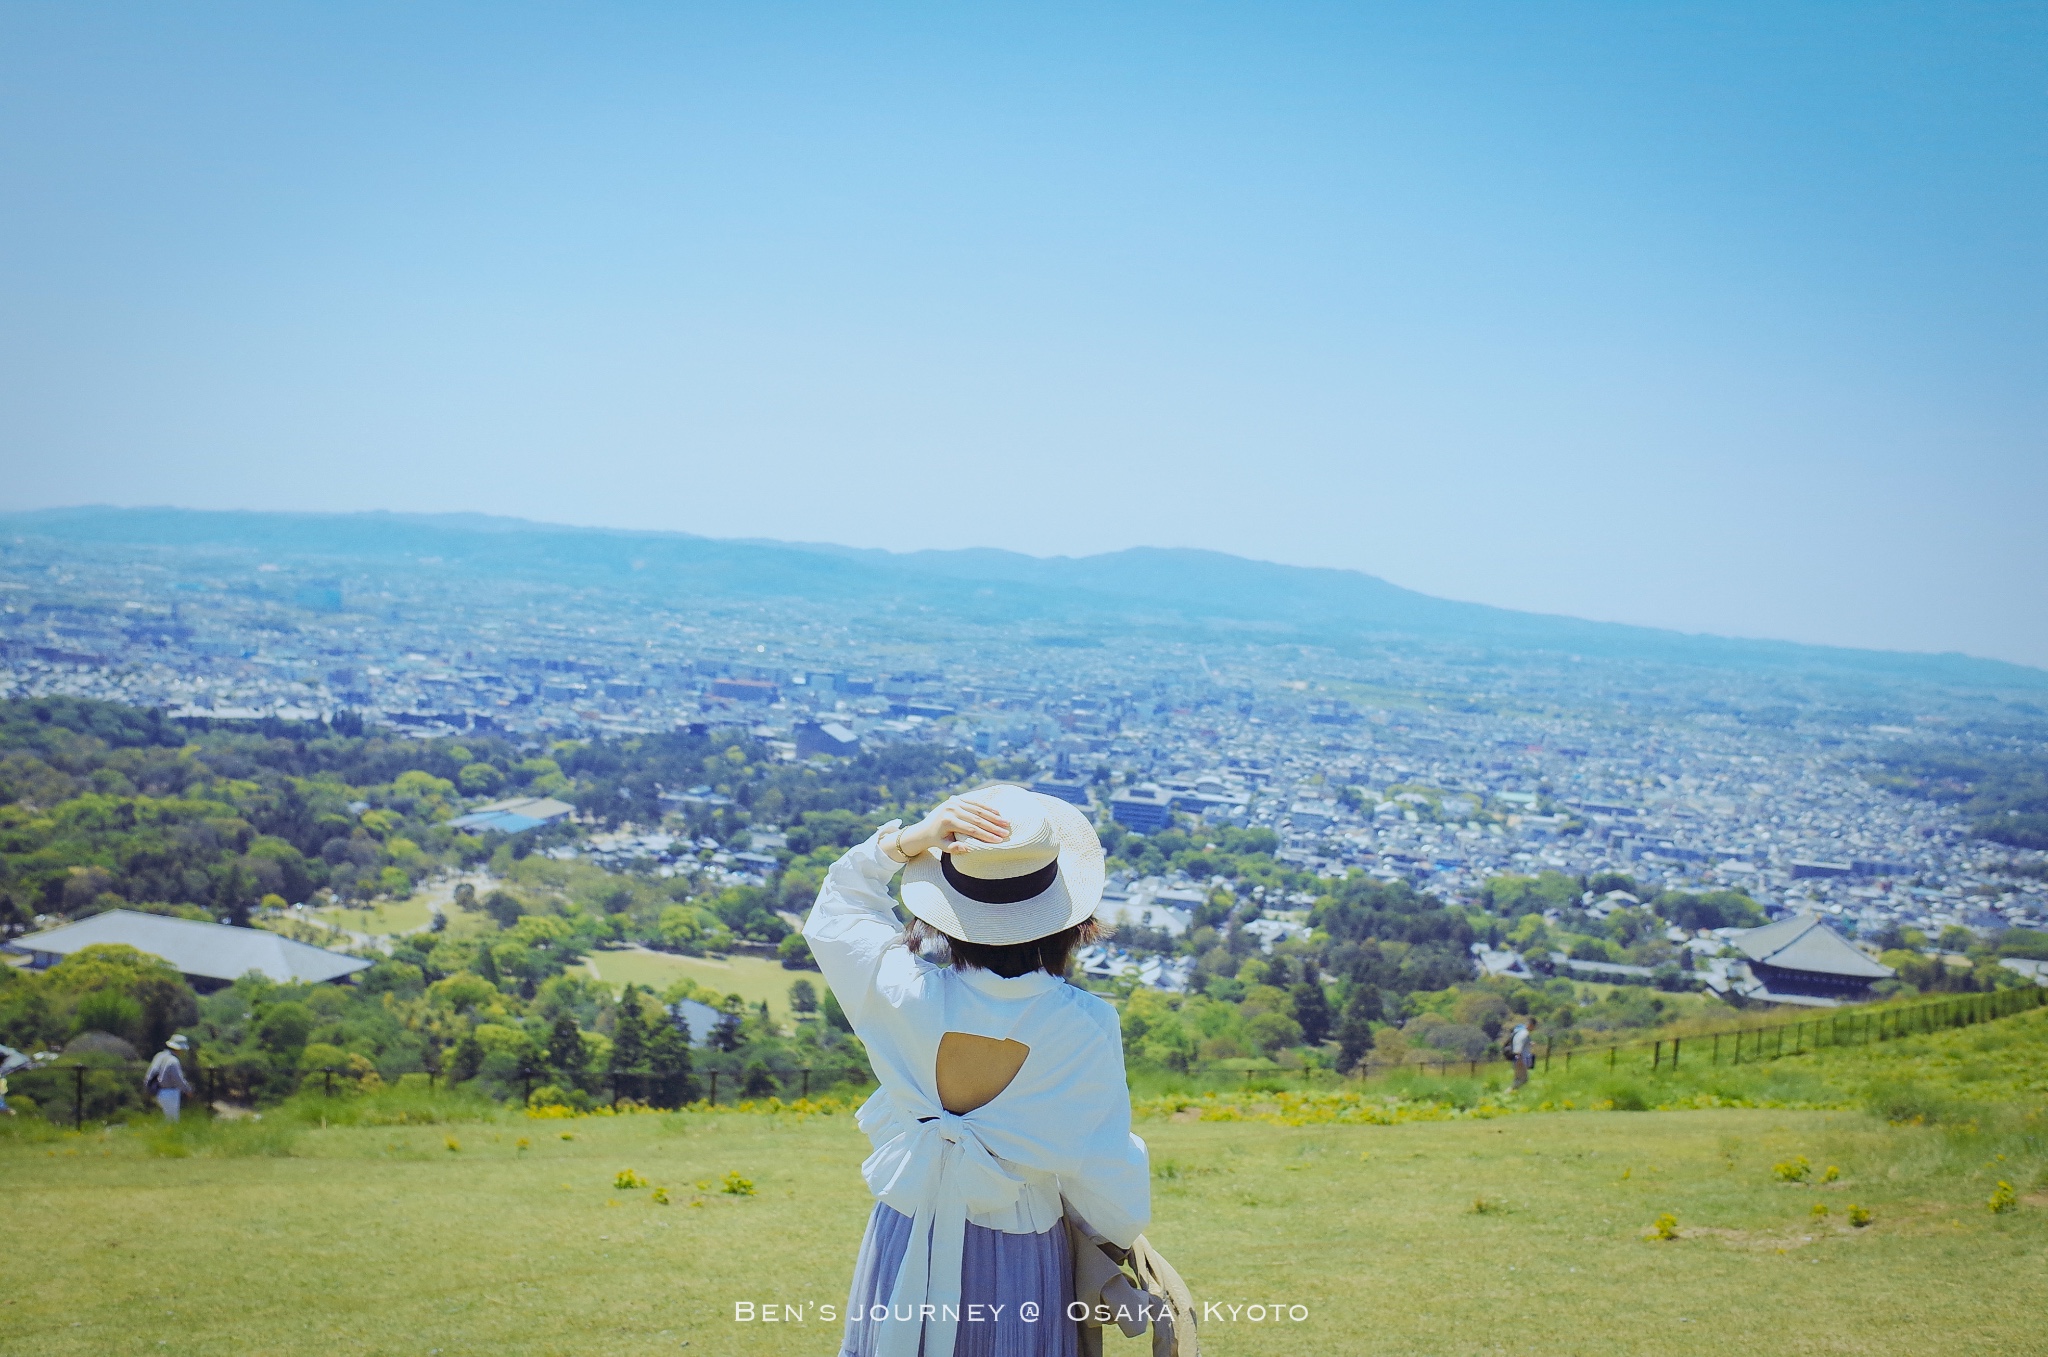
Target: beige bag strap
<point x="1095" y="1267"/>
<point x="1159" y="1278"/>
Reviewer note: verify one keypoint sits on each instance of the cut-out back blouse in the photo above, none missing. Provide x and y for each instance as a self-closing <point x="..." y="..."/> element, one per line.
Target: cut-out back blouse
<point x="1061" y="1129"/>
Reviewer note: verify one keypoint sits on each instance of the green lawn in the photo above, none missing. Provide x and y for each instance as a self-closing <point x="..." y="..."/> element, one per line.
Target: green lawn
<point x="384" y="917"/>
<point x="382" y="1239"/>
<point x="752" y="978"/>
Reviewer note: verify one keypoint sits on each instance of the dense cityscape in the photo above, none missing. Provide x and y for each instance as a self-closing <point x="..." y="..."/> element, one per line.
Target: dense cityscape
<point x="1441" y="768"/>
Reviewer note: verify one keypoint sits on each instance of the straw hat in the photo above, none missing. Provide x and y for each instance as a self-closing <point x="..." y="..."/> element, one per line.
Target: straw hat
<point x="1045" y="877"/>
<point x="179" y="1043"/>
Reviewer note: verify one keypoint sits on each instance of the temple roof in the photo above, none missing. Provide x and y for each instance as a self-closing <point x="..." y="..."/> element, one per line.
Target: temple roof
<point x="1805" y="942"/>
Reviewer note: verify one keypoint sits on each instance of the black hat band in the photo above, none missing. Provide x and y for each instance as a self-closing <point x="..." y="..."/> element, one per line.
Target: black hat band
<point x="1008" y="890"/>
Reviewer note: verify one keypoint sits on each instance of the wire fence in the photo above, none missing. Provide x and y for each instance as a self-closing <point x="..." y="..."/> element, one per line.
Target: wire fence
<point x="1743" y="1045"/>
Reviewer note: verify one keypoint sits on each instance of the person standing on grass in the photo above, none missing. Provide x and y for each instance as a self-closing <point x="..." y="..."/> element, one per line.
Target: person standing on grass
<point x="1003" y="1104"/>
<point x="1522" y="1050"/>
<point x="166" y="1080"/>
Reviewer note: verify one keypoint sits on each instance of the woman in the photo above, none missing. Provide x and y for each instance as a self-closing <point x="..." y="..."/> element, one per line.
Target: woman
<point x="1003" y="1102"/>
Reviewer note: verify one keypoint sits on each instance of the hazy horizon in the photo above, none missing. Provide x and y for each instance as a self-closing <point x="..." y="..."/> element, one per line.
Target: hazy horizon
<point x="1726" y="322"/>
<point x="816" y="544"/>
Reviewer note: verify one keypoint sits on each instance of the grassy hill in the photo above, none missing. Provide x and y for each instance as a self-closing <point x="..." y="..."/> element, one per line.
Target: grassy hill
<point x="1536" y="1232"/>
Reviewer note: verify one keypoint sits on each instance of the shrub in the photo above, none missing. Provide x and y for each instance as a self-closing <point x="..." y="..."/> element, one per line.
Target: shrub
<point x="737" y="1186"/>
<point x="1820" y="1211"/>
<point x="661" y="1196"/>
<point x="1859" y="1216"/>
<point x="626" y="1178"/>
<point x="1793" y="1170"/>
<point x="554" y="1099"/>
<point x="1665" y="1227"/>
<point x="2003" y="1199"/>
<point x="1624" y="1095"/>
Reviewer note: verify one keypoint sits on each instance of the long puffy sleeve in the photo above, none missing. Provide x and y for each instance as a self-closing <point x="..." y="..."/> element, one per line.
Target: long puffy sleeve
<point x="852" y="925"/>
<point x="1110" y="1181"/>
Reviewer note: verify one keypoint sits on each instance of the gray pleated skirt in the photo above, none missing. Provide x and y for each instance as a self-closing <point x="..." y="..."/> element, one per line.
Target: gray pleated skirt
<point x="996" y="1268"/>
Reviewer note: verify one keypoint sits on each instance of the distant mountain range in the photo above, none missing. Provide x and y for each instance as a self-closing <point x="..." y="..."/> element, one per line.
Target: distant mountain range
<point x="1203" y="594"/>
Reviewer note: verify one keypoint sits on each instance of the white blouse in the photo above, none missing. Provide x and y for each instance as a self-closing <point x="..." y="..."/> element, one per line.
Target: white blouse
<point x="1061" y="1129"/>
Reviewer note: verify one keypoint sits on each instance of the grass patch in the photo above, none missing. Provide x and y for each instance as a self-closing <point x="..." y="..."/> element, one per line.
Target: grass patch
<point x="382" y="917"/>
<point x="380" y="1238"/>
<point x="752" y="978"/>
<point x="243" y="1138"/>
<point x="1928" y="1077"/>
<point x="408" y="1103"/>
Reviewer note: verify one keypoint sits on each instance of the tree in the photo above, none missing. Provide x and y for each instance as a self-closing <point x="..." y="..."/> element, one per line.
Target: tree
<point x="1312" y="1011"/>
<point x="161" y="1000"/>
<point x="668" y="1060"/>
<point x="725" y="1034"/>
<point x="480" y="779"/>
<point x="629" y="1040"/>
<point x="1354" y="1033"/>
<point x="1273" y="1032"/>
<point x="285" y="1027"/>
<point x="759" y="1081"/>
<point x="565" y="1049"/>
<point x="465" y="898"/>
<point x="238" y="889"/>
<point x="467" y="1059"/>
<point x="835" y="1016"/>
<point x="487" y="963"/>
<point x="803" y="997"/>
<point x="504" y="907"/>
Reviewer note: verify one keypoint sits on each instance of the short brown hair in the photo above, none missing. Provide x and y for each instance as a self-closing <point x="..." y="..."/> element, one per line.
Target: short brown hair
<point x="1053" y="953"/>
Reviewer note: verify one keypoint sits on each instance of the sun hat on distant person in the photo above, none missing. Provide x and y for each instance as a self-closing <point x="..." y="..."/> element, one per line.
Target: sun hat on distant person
<point x="179" y="1043"/>
<point x="1045" y="877"/>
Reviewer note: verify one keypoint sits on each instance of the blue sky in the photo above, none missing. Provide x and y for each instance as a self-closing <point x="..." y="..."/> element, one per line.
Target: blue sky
<point x="1725" y="318"/>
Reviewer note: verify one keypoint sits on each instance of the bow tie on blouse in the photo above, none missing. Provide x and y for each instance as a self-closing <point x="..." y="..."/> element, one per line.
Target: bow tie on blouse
<point x="935" y="1172"/>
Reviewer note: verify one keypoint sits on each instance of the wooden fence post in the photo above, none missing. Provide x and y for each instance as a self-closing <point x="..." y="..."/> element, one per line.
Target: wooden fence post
<point x="1674" y="1051"/>
<point x="78" y="1097"/>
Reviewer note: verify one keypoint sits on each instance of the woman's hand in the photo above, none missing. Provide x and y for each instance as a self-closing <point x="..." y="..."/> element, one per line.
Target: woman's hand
<point x="951" y="821"/>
